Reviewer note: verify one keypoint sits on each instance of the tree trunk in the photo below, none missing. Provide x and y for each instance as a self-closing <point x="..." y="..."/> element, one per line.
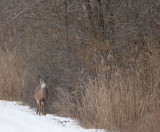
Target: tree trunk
<point x="88" y="15"/>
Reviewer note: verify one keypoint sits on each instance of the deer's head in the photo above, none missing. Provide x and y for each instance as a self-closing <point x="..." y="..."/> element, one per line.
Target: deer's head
<point x="42" y="82"/>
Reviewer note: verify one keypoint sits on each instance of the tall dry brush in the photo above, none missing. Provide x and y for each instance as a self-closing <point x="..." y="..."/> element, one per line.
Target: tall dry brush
<point x="15" y="78"/>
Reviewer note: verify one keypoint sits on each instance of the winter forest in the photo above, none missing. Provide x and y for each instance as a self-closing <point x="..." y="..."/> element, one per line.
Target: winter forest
<point x="101" y="57"/>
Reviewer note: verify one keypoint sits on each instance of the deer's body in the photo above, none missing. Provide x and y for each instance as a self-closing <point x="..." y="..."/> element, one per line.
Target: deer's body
<point x="41" y="96"/>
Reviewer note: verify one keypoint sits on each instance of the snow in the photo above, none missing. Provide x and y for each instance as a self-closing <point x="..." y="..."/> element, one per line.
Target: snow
<point x="15" y="117"/>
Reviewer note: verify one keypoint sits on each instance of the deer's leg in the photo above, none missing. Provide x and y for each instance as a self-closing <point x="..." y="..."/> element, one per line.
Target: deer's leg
<point x="40" y="108"/>
<point x="37" y="107"/>
<point x="43" y="108"/>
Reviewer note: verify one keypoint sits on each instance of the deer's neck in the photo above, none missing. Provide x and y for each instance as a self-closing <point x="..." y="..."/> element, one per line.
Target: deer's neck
<point x="43" y="85"/>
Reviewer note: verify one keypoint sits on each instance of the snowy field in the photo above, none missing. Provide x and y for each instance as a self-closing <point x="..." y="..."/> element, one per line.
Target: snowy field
<point x="14" y="117"/>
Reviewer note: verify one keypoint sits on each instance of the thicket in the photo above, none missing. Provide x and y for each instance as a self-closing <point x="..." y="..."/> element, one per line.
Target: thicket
<point x="101" y="57"/>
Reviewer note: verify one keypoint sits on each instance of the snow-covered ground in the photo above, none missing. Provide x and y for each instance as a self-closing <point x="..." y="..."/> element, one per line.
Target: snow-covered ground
<point x="15" y="117"/>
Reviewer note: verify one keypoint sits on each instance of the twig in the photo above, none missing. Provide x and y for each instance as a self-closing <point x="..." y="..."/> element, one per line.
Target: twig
<point x="18" y="14"/>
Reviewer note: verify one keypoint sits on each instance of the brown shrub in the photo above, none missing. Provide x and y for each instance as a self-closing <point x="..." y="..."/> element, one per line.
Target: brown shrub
<point x="114" y="97"/>
<point x="63" y="104"/>
<point x="148" y="123"/>
<point x="15" y="78"/>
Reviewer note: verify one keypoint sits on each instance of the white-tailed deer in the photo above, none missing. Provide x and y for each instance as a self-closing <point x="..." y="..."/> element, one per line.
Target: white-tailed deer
<point x="41" y="96"/>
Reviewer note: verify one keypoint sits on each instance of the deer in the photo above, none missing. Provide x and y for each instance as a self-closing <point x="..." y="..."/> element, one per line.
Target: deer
<point x="41" y="96"/>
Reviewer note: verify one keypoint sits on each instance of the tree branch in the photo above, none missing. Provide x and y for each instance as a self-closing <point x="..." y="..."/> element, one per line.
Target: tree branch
<point x="21" y="12"/>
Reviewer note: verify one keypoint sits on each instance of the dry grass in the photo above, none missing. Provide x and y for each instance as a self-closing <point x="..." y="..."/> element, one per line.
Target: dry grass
<point x="114" y="97"/>
<point x="14" y="77"/>
<point x="109" y="101"/>
<point x="63" y="104"/>
<point x="147" y="123"/>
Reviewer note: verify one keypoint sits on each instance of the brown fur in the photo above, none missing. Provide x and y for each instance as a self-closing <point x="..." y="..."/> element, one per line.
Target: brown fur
<point x="41" y="96"/>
